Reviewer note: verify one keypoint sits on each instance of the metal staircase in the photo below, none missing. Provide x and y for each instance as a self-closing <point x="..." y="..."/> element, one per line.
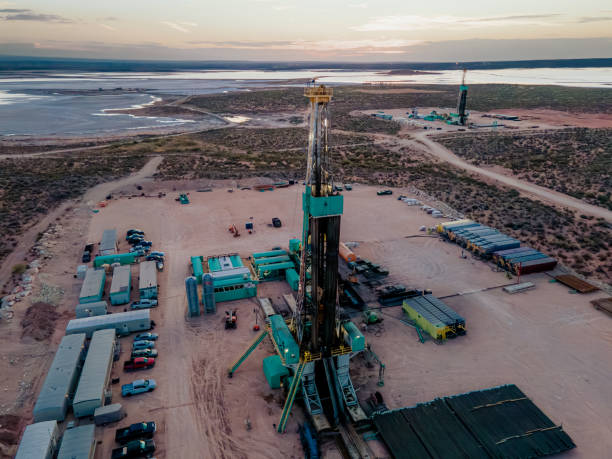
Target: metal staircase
<point x="243" y="357"/>
<point x="295" y="384"/>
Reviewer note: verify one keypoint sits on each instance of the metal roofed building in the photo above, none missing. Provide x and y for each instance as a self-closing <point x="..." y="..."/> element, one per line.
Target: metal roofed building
<point x="93" y="286"/>
<point x="99" y="308"/>
<point x="39" y="441"/>
<point x="148" y="280"/>
<point x="124" y="323"/>
<point x="78" y="443"/>
<point x="95" y="375"/>
<point x="108" y="244"/>
<point x="121" y="285"/>
<point x="54" y="397"/>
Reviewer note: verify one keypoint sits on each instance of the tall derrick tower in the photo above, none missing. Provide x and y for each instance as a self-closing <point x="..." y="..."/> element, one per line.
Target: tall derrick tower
<point x="462" y="101"/>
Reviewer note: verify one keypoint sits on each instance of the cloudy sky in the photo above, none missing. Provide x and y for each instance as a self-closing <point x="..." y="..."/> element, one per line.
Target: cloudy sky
<point x="350" y="30"/>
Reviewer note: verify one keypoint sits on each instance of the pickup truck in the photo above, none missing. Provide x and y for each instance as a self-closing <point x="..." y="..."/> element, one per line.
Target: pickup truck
<point x="135" y="431"/>
<point x="138" y="387"/>
<point x="134" y="231"/>
<point x="139" y="363"/>
<point x="143" y="344"/>
<point x="158" y="254"/>
<point x="136" y="448"/>
<point x="384" y="192"/>
<point x="144" y="353"/>
<point x="143" y="304"/>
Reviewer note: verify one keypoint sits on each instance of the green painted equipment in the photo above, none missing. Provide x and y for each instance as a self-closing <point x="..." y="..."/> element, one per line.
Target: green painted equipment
<point x="354" y="337"/>
<point x="197" y="268"/>
<point x="293" y="279"/>
<point x="243" y="357"/>
<point x="183" y="199"/>
<point x="295" y="384"/>
<point x="371" y="317"/>
<point x="274" y="371"/>
<point x="287" y="347"/>
<point x="121" y="258"/>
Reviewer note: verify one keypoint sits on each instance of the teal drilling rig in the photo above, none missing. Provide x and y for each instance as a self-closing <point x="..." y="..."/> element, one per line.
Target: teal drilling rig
<point x="317" y="343"/>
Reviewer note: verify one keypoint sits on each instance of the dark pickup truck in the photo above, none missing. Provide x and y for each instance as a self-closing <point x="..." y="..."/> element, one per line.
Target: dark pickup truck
<point x="136" y="448"/>
<point x="135" y="432"/>
<point x="139" y="363"/>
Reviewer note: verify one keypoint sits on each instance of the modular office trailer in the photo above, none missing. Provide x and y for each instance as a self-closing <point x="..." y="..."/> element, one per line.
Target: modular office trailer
<point x="39" y="441"/>
<point x="121" y="285"/>
<point x="148" y="280"/>
<point x="123" y="323"/>
<point x="99" y="308"/>
<point x="54" y="398"/>
<point x="108" y="244"/>
<point x="93" y="286"/>
<point x="121" y="258"/>
<point x="95" y="375"/>
<point x="78" y="443"/>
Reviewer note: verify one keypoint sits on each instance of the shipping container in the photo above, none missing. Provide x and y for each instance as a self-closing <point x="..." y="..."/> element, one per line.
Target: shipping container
<point x="123" y="323"/>
<point x="57" y="390"/>
<point x="148" y="280"/>
<point x="92" y="289"/>
<point x="39" y="441"/>
<point x="99" y="308"/>
<point x="121" y="258"/>
<point x="78" y="443"/>
<point x="538" y="266"/>
<point x="96" y="372"/>
<point x="197" y="268"/>
<point x="108" y="244"/>
<point x="121" y="285"/>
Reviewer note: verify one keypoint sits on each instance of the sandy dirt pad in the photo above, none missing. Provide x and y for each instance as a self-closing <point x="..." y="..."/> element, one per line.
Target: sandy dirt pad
<point x="39" y="321"/>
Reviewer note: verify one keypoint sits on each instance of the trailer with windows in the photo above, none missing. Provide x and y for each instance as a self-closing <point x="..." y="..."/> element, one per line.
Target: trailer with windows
<point x="58" y="388"/>
<point x="123" y="323"/>
<point x="121" y="258"/>
<point x="39" y="441"/>
<point x="92" y="289"/>
<point x="232" y="279"/>
<point x="99" y="308"/>
<point x="147" y="284"/>
<point x="91" y="390"/>
<point x="121" y="285"/>
<point x="78" y="443"/>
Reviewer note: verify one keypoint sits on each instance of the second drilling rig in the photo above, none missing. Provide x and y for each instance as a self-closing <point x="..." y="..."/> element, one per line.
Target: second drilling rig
<point x="318" y="342"/>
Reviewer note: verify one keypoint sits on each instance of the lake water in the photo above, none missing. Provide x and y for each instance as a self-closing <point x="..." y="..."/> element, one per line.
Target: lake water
<point x="40" y="106"/>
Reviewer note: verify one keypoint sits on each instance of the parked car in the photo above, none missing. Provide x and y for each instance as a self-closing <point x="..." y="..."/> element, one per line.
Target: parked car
<point x="159" y="265"/>
<point x="136" y="448"/>
<point x="86" y="258"/>
<point x="134" y="231"/>
<point x="135" y="431"/>
<point x="384" y="192"/>
<point x="143" y="304"/>
<point x="348" y="187"/>
<point x="146" y="336"/>
<point x="140" y="248"/>
<point x="146" y="243"/>
<point x="89" y="247"/>
<point x="138" y="387"/>
<point x="338" y="187"/>
<point x="152" y="257"/>
<point x="144" y="344"/>
<point x="276" y="222"/>
<point x="158" y="254"/>
<point x="134" y="237"/>
<point x="139" y="363"/>
<point x="144" y="353"/>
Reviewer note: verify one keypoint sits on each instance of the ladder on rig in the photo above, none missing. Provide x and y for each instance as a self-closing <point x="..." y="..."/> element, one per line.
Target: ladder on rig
<point x="295" y="384"/>
<point x="243" y="357"/>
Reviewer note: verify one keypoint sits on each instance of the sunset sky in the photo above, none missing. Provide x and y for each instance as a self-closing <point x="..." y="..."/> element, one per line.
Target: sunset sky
<point x="353" y="30"/>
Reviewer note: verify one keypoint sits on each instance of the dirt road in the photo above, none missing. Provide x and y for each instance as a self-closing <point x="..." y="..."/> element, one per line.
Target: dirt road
<point x="95" y="194"/>
<point x="526" y="188"/>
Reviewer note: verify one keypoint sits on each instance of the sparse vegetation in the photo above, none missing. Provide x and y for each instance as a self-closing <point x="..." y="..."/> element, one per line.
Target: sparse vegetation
<point x="30" y="187"/>
<point x="577" y="162"/>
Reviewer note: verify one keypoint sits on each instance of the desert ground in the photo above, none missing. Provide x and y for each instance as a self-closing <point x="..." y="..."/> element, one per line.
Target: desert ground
<point x="554" y="345"/>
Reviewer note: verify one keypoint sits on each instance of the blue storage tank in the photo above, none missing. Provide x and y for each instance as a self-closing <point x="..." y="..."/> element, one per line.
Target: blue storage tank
<point x="208" y="294"/>
<point x="193" y="303"/>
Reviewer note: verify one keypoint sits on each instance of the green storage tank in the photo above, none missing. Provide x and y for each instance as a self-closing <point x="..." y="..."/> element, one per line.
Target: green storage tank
<point x="354" y="337"/>
<point x="274" y="371"/>
<point x="121" y="258"/>
<point x="293" y="278"/>
<point x="284" y="339"/>
<point x="270" y="260"/>
<point x="198" y="270"/>
<point x="270" y="253"/>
